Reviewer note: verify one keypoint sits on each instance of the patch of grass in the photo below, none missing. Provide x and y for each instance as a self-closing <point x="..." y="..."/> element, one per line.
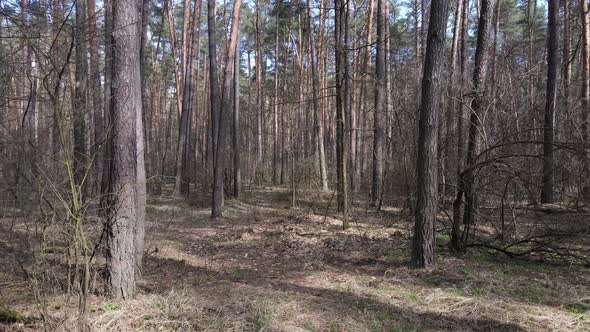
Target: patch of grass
<point x="442" y="238"/>
<point x="407" y="294"/>
<point x="239" y="273"/>
<point x="395" y="253"/>
<point x="9" y="316"/>
<point x="173" y="312"/>
<point x="403" y="327"/>
<point x="578" y="308"/>
<point x="110" y="307"/>
<point x="262" y="315"/>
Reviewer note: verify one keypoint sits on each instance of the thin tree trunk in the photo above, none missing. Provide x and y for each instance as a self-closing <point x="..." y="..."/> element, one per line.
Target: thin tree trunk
<point x="275" y="141"/>
<point x="318" y="123"/>
<point x="482" y="53"/>
<point x="550" y="98"/>
<point x="237" y="133"/>
<point x="213" y="78"/>
<point x="226" y="110"/>
<point x="585" y="54"/>
<point x="364" y="102"/>
<point x="379" y="113"/>
<point x="259" y="94"/>
<point x="141" y="185"/>
<point x="183" y="157"/>
<point x="456" y="231"/>
<point x="80" y="99"/>
<point x="177" y="71"/>
<point x="95" y="87"/>
<point x="340" y="25"/>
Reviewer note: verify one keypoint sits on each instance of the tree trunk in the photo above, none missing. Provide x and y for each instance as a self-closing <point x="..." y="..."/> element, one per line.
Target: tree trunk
<point x="482" y="52"/>
<point x="95" y="87"/>
<point x="379" y="113"/>
<point x="80" y="99"/>
<point x="259" y="93"/>
<point x="462" y="58"/>
<point x="237" y="133"/>
<point x="183" y="156"/>
<point x="585" y="22"/>
<point x="275" y="141"/>
<point x="318" y="123"/>
<point x="108" y="75"/>
<point x="550" y="97"/>
<point x="226" y="111"/>
<point x="341" y="56"/>
<point x="426" y="167"/>
<point x="364" y="102"/>
<point x="125" y="109"/>
<point x="213" y="81"/>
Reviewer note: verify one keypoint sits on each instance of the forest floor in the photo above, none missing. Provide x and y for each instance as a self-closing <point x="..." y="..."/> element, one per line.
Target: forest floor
<point x="266" y="267"/>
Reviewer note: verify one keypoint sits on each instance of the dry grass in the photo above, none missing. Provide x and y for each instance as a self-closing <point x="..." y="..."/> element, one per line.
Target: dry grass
<point x="268" y="268"/>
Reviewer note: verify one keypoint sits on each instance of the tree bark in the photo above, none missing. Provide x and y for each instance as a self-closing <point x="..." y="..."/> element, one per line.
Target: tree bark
<point x="318" y="126"/>
<point x="585" y="54"/>
<point x="237" y="132"/>
<point x="482" y="52"/>
<point x="95" y="87"/>
<point x="80" y="99"/>
<point x="226" y="110"/>
<point x="550" y="97"/>
<point x="275" y="141"/>
<point x="364" y="102"/>
<point x="426" y="167"/>
<point x="183" y="156"/>
<point x="177" y="71"/>
<point x="259" y="91"/>
<point x="125" y="110"/>
<point x="341" y="56"/>
<point x="379" y="113"/>
<point x="213" y="78"/>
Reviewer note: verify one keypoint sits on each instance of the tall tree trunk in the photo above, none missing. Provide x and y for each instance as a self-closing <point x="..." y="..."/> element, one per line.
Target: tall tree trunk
<point x="169" y="6"/>
<point x="95" y="87"/>
<point x="237" y="133"/>
<point x="453" y="90"/>
<point x="125" y="109"/>
<point x="531" y="13"/>
<point x="550" y="97"/>
<point x="226" y="111"/>
<point x="275" y="141"/>
<point x="141" y="185"/>
<point x="145" y="91"/>
<point x="259" y="92"/>
<point x="318" y="123"/>
<point x="482" y="53"/>
<point x="585" y="22"/>
<point x="379" y="113"/>
<point x="566" y="61"/>
<point x="415" y="16"/>
<point x="108" y="75"/>
<point x="426" y="167"/>
<point x="80" y="99"/>
<point x="183" y="156"/>
<point x="462" y="54"/>
<point x="213" y="78"/>
<point x="364" y="102"/>
<point x="341" y="56"/>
